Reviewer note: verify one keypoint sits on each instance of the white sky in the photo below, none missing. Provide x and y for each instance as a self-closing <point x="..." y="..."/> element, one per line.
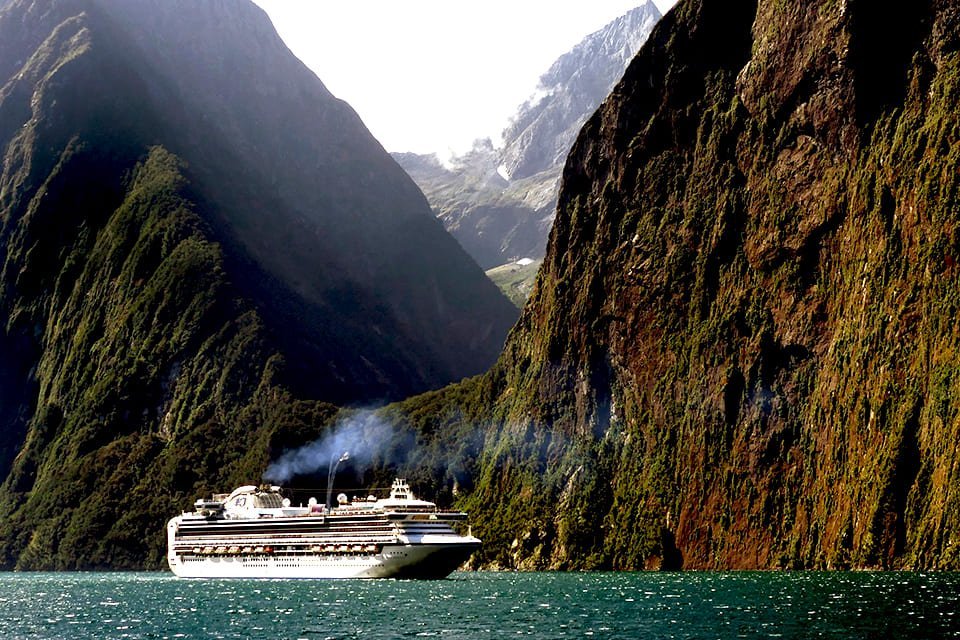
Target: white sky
<point x="433" y="75"/>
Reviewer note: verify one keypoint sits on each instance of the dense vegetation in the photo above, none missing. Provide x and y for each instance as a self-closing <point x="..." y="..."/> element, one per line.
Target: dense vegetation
<point x="741" y="349"/>
<point x="201" y="249"/>
<point x="151" y="366"/>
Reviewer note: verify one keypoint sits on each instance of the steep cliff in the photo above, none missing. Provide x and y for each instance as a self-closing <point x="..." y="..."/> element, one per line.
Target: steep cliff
<point x="742" y="347"/>
<point x="499" y="201"/>
<point x="199" y="248"/>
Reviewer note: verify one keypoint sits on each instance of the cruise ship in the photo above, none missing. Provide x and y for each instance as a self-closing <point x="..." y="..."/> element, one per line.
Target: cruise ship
<point x="255" y="533"/>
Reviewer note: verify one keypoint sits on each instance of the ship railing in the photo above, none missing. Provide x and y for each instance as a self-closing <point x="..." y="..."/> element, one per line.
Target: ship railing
<point x="278" y="540"/>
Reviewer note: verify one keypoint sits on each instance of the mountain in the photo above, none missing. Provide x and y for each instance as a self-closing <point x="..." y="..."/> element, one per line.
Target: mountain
<point x="544" y="128"/>
<point x="499" y="202"/>
<point x="201" y="251"/>
<point x="742" y="348"/>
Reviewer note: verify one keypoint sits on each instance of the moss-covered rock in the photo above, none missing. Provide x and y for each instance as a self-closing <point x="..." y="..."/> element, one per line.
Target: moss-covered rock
<point x="740" y="351"/>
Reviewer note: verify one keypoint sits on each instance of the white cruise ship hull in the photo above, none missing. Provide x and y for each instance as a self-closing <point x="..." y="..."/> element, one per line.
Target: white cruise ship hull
<point x="424" y="561"/>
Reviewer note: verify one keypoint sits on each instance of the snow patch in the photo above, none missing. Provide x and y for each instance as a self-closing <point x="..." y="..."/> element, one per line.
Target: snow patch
<point x="502" y="170"/>
<point x="524" y="261"/>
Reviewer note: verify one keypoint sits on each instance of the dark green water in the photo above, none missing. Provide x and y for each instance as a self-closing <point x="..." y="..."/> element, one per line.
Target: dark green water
<point x="486" y="605"/>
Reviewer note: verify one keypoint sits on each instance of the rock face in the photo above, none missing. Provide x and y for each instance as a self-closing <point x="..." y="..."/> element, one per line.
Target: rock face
<point x="742" y="349"/>
<point x="543" y="130"/>
<point x="193" y="234"/>
<point x="499" y="202"/>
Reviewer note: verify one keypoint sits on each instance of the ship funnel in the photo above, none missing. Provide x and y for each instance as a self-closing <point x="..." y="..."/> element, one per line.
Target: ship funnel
<point x="333" y="472"/>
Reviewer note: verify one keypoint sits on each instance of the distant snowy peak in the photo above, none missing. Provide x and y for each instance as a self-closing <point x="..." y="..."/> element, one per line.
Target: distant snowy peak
<point x="615" y="44"/>
<point x="499" y="200"/>
<point x="545" y="126"/>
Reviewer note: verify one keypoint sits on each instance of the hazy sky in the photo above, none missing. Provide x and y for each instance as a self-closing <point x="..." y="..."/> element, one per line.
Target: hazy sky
<point x="433" y="75"/>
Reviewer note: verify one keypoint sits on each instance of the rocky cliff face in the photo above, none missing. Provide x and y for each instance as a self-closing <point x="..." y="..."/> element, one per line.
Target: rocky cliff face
<point x="199" y="246"/>
<point x="741" y="351"/>
<point x="499" y="202"/>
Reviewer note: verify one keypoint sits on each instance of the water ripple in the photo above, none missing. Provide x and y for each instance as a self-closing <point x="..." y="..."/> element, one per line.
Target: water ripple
<point x="847" y="606"/>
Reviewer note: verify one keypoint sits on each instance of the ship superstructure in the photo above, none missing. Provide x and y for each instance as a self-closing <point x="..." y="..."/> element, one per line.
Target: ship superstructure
<point x="254" y="532"/>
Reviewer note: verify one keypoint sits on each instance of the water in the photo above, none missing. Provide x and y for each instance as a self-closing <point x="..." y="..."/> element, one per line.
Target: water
<point x="486" y="605"/>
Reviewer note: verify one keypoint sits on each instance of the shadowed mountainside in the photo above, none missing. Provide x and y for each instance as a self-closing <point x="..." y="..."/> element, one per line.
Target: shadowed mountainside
<point x="200" y="247"/>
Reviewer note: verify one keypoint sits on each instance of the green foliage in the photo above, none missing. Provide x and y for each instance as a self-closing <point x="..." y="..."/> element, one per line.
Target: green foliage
<point x="744" y="333"/>
<point x="741" y="351"/>
<point x="184" y="276"/>
<point x="167" y="379"/>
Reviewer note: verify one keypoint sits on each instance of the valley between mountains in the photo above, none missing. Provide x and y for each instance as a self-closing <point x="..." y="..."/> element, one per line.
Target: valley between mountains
<point x="740" y="350"/>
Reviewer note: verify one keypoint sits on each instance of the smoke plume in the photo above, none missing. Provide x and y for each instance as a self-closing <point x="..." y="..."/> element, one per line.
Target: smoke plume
<point x="363" y="435"/>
